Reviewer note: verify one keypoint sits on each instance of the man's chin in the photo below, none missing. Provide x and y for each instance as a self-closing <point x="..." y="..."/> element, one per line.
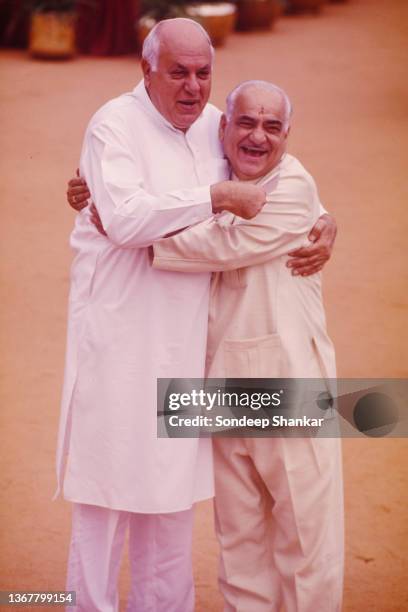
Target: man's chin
<point x="249" y="171"/>
<point x="185" y="120"/>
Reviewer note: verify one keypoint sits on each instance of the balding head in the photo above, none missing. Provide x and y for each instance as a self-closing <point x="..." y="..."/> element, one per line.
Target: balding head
<point x="262" y="85"/>
<point x="255" y="128"/>
<point x="180" y="32"/>
<point x="177" y="63"/>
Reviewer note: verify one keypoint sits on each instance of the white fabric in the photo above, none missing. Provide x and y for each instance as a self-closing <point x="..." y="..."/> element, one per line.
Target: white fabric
<point x="279" y="521"/>
<point x="159" y="554"/>
<point x="264" y="322"/>
<point x="128" y="323"/>
<point x="279" y="502"/>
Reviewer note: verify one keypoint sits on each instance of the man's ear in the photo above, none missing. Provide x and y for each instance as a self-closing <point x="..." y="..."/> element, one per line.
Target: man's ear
<point x="146" y="68"/>
<point x="287" y="132"/>
<point x="221" y="128"/>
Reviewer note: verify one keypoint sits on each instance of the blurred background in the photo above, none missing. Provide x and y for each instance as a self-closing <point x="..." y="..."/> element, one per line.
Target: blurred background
<point x="344" y="65"/>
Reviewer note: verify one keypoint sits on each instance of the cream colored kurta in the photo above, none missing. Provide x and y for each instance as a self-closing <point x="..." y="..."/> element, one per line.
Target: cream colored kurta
<point x="264" y="322"/>
<point x="129" y="323"/>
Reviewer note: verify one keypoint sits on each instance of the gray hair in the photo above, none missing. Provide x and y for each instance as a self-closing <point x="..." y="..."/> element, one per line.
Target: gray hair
<point x="151" y="45"/>
<point x="233" y="95"/>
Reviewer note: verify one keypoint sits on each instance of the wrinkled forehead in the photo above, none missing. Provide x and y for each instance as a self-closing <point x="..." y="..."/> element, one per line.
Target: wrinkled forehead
<point x="190" y="46"/>
<point x="260" y="103"/>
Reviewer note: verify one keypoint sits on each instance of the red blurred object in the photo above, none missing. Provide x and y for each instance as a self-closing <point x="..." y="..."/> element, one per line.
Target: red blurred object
<point x="298" y="6"/>
<point x="257" y="14"/>
<point x="14" y="22"/>
<point x="107" y="27"/>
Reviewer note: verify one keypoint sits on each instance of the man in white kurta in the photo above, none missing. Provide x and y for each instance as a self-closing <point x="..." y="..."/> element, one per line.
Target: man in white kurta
<point x="148" y="157"/>
<point x="130" y="324"/>
<point x="279" y="501"/>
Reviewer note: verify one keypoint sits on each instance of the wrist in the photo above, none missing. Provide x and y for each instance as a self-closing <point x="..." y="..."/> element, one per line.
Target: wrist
<point x="219" y="197"/>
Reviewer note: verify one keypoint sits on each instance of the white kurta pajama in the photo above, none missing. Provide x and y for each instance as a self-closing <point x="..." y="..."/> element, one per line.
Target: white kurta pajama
<point x="130" y="324"/>
<point x="279" y="501"/>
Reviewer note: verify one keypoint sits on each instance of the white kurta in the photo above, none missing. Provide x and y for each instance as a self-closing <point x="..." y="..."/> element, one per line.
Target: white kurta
<point x="267" y="323"/>
<point x="264" y="322"/>
<point x="129" y="323"/>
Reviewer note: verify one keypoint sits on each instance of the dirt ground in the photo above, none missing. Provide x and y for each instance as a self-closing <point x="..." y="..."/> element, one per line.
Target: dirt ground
<point x="345" y="71"/>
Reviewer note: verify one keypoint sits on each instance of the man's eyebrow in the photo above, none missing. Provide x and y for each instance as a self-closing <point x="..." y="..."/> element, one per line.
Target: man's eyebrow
<point x="273" y="121"/>
<point x="178" y="66"/>
<point x="245" y="118"/>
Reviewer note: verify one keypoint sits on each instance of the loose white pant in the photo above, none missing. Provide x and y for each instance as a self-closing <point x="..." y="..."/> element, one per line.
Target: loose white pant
<point x="159" y="553"/>
<point x="279" y="522"/>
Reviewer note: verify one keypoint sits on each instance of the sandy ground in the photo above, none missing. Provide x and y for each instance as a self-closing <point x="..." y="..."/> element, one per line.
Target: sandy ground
<point x="346" y="73"/>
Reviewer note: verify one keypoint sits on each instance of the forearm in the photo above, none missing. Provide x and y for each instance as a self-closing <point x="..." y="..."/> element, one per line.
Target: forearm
<point x="140" y="222"/>
<point x="212" y="247"/>
<point x="151" y="218"/>
<point x="322" y="210"/>
<point x="131" y="216"/>
<point x="283" y="224"/>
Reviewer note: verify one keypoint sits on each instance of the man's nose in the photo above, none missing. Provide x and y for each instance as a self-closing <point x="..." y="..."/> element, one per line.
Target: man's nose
<point x="258" y="136"/>
<point x="191" y="84"/>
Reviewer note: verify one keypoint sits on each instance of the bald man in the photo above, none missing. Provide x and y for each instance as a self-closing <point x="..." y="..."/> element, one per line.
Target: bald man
<point x="279" y="501"/>
<point x="149" y="158"/>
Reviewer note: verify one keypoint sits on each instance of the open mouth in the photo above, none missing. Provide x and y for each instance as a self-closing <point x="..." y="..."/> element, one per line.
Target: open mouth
<point x="188" y="105"/>
<point x="254" y="152"/>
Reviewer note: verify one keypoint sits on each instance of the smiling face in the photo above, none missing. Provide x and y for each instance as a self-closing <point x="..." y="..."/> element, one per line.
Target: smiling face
<point x="255" y="136"/>
<point x="180" y="86"/>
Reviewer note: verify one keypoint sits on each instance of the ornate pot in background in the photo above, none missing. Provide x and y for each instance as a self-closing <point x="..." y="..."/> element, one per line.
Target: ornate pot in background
<point x="217" y="18"/>
<point x="52" y="35"/>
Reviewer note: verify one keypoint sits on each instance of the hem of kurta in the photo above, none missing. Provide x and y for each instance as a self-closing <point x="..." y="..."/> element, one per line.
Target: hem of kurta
<point x="122" y="508"/>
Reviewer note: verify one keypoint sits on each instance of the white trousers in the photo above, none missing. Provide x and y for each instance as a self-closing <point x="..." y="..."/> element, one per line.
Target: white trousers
<point x="279" y="522"/>
<point x="159" y="554"/>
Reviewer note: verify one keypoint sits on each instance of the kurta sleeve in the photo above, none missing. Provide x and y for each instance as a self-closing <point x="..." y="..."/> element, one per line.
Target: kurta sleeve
<point x="283" y="224"/>
<point x="322" y="210"/>
<point x="131" y="216"/>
